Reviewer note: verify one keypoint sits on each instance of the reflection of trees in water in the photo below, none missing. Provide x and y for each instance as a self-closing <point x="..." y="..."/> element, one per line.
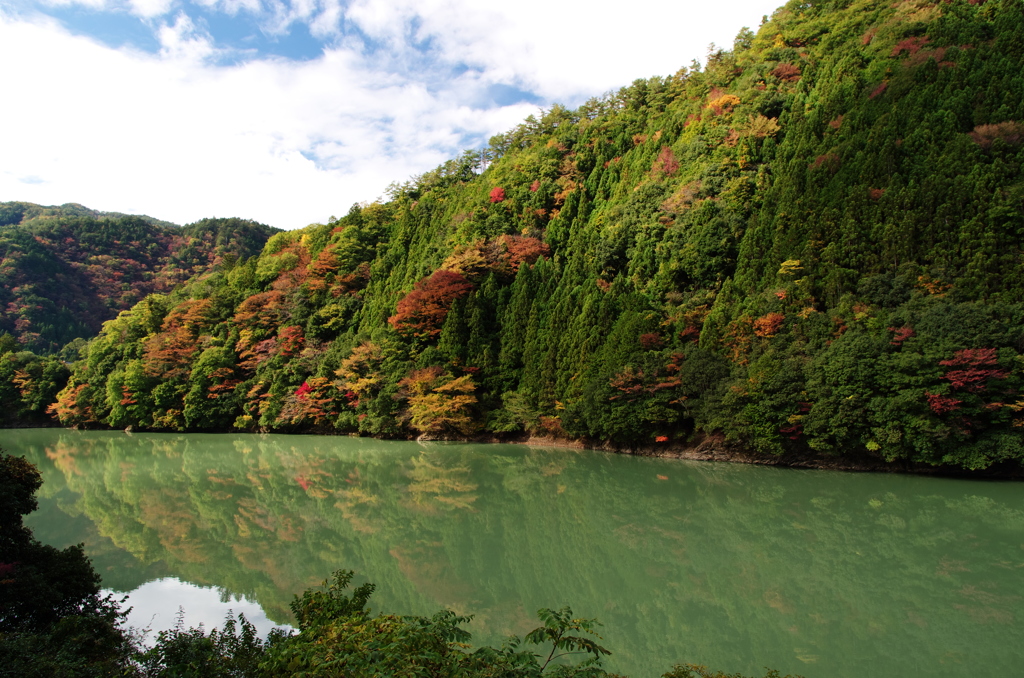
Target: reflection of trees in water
<point x="427" y="566"/>
<point x="733" y="566"/>
<point x="165" y="511"/>
<point x="435" y="487"/>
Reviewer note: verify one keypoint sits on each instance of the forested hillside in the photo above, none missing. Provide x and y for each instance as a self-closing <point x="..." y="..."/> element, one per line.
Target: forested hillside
<point x="65" y="270"/>
<point x="810" y="244"/>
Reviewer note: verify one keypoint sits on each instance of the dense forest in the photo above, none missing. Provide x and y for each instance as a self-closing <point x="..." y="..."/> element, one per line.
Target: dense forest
<point x="811" y="245"/>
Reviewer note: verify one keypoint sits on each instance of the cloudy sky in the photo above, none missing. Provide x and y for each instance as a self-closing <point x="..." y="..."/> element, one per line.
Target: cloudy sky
<point x="151" y="608"/>
<point x="289" y="111"/>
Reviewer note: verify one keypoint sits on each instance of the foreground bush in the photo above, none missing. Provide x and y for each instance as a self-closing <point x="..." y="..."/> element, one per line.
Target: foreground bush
<point x="53" y="620"/>
<point x="339" y="638"/>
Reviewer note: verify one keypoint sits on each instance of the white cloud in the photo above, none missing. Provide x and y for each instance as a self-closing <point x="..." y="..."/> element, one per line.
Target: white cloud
<point x="182" y="41"/>
<point x="91" y="4"/>
<point x="180" y="136"/>
<point x="177" y="138"/>
<point x="145" y="9"/>
<point x="563" y="50"/>
<point x="200" y="605"/>
<point x="328" y="20"/>
<point x="233" y="6"/>
<point x="148" y="9"/>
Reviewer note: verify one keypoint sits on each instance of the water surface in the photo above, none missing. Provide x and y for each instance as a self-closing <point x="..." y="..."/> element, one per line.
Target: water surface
<point x="819" y="573"/>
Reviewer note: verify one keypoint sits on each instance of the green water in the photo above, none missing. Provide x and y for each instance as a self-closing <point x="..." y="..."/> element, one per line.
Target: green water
<point x="812" y="572"/>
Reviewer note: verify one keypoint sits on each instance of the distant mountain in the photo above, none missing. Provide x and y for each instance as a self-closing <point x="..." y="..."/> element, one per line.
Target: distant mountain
<point x="23" y="213"/>
<point x="65" y="270"/>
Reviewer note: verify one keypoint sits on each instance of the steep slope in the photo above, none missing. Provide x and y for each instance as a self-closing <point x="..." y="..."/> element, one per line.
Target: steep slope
<point x="811" y="245"/>
<point x="64" y="270"/>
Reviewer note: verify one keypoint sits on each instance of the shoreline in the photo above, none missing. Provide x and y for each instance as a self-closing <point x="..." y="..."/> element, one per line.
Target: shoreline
<point x="716" y="449"/>
<point x="712" y="448"/>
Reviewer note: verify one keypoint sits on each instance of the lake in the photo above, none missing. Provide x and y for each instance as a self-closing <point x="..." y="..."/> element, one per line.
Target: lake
<point x="820" y="573"/>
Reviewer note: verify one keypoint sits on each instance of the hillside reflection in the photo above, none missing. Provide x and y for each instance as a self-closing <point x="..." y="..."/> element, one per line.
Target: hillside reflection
<point x="818" y="573"/>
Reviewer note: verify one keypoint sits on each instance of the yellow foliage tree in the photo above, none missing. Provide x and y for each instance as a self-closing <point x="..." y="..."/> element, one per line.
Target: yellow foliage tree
<point x="439" y="403"/>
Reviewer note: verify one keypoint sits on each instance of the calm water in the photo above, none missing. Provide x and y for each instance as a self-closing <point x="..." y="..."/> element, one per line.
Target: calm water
<point x="818" y="573"/>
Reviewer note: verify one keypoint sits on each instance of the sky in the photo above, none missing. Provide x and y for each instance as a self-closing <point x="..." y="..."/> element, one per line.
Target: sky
<point x="290" y="111"/>
<point x="199" y="604"/>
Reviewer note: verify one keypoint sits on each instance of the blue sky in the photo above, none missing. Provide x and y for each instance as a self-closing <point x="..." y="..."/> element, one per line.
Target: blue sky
<point x="289" y="111"/>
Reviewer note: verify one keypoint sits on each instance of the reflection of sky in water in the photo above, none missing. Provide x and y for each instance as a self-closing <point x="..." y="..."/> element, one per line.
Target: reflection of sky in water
<point x="155" y="606"/>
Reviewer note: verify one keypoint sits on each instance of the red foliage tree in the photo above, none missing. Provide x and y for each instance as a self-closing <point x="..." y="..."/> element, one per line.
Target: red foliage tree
<point x="497" y="194"/>
<point x="666" y="162"/>
<point x="792" y="431"/>
<point x="901" y="334"/>
<point x="942" y="404"/>
<point x="303" y="391"/>
<point x="422" y="312"/>
<point x="974" y="368"/>
<point x="909" y="45"/>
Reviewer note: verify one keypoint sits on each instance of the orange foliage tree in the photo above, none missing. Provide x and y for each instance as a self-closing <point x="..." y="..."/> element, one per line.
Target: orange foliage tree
<point x="264" y="310"/>
<point x="769" y="325"/>
<point x="519" y="250"/>
<point x="503" y="255"/>
<point x="167" y="353"/>
<point x="322" y="268"/>
<point x="290" y="340"/>
<point x="422" y="312"/>
<point x="68" y="408"/>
